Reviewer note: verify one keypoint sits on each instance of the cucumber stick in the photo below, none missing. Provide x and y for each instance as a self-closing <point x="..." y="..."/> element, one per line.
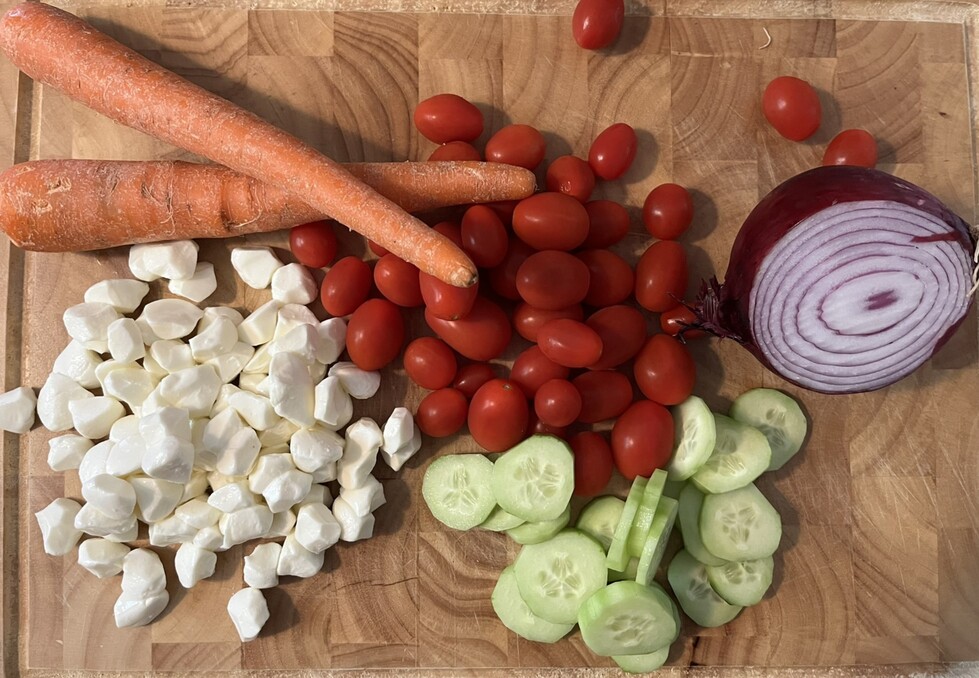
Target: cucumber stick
<point x="516" y="616"/>
<point x="534" y="480"/>
<point x="741" y="454"/>
<point x="656" y="540"/>
<point x="627" y="618"/>
<point x="618" y="554"/>
<point x="643" y="519"/>
<point x="778" y="417"/>
<point x="694" y="435"/>
<point x="457" y="490"/>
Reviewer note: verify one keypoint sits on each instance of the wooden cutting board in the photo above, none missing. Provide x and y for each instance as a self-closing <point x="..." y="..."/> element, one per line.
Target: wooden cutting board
<point x="880" y="561"/>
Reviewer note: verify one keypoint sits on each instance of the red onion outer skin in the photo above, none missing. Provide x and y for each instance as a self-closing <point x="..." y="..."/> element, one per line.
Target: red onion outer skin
<point x="723" y="309"/>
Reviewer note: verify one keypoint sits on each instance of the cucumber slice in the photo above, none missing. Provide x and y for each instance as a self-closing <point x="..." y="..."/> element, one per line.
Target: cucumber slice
<point x="639" y="529"/>
<point x="534" y="480"/>
<point x="618" y="554"/>
<point x="688" y="579"/>
<point x="516" y="616"/>
<point x="742" y="583"/>
<point x="659" y="536"/>
<point x="688" y="514"/>
<point x="642" y="663"/>
<point x="599" y="518"/>
<point x="740" y="525"/>
<point x="741" y="454"/>
<point x="628" y="618"/>
<point x="778" y="417"/>
<point x="457" y="490"/>
<point x="535" y="533"/>
<point x="500" y="521"/>
<point x="694" y="435"/>
<point x="629" y="573"/>
<point x="556" y="576"/>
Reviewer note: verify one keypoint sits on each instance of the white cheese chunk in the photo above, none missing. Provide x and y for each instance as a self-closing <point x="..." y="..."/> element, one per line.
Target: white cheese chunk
<point x="193" y="564"/>
<point x="171" y="530"/>
<point x="302" y="340"/>
<point x="102" y="557"/>
<point x="126" y="456"/>
<point x="261" y="565"/>
<point x="291" y="389"/>
<point x="359" y="383"/>
<point x="112" y="496"/>
<point x="218" y="480"/>
<point x="53" y="399"/>
<point x="95" y="460"/>
<point x="297" y="561"/>
<point x="332" y="406"/>
<point x="124" y="536"/>
<point x="399" y="451"/>
<point x="259" y="362"/>
<point x="318" y="494"/>
<point x="232" y="497"/>
<point x="198" y="513"/>
<point x="149" y="336"/>
<point x="212" y="313"/>
<point x="198" y="286"/>
<point x="131" y="610"/>
<point x="240" y="526"/>
<point x="316" y="448"/>
<point x="169" y="458"/>
<point x="259" y="326"/>
<point x="153" y="367"/>
<point x="125" y="340"/>
<point x="122" y="294"/>
<point x="352" y="526"/>
<point x="316" y="528"/>
<point x="239" y="455"/>
<point x="17" y="410"/>
<point x="222" y="402"/>
<point x="57" y="523"/>
<point x="209" y="538"/>
<point x="193" y="389"/>
<point x="363" y="440"/>
<point x="364" y="499"/>
<point x="286" y="490"/>
<point x="268" y="468"/>
<point x="175" y="260"/>
<point x="155" y="499"/>
<point x="92" y="521"/>
<point x="291" y="316"/>
<point x="219" y="338"/>
<point x="123" y="428"/>
<point x="172" y="355"/>
<point x="249" y="612"/>
<point x="78" y="363"/>
<point x="93" y="417"/>
<point x="254" y="383"/>
<point x="277" y="435"/>
<point x="255" y="265"/>
<point x="333" y="340"/>
<point x="293" y="284"/>
<point x="171" y="318"/>
<point x="220" y="428"/>
<point x="170" y="422"/>
<point x="142" y="572"/>
<point x="131" y="385"/>
<point x="282" y="524"/>
<point x="89" y="322"/>
<point x="107" y="367"/>
<point x="326" y="474"/>
<point x="66" y="452"/>
<point x="229" y="365"/>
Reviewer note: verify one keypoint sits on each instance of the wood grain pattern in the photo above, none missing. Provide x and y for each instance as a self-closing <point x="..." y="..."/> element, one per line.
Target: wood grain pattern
<point x="878" y="571"/>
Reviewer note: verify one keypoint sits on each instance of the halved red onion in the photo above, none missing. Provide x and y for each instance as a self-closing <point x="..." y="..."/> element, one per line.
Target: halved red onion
<point x="844" y="279"/>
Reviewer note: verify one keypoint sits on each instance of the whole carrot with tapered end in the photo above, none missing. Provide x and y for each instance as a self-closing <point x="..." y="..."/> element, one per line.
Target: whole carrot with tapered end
<point x="61" y="50"/>
<point x="79" y="205"/>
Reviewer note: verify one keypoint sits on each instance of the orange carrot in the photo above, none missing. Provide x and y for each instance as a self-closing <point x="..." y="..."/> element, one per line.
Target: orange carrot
<point x="78" y="205"/>
<point x="61" y="50"/>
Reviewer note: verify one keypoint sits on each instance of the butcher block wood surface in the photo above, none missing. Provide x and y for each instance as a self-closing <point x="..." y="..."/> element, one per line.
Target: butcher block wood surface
<point x="878" y="573"/>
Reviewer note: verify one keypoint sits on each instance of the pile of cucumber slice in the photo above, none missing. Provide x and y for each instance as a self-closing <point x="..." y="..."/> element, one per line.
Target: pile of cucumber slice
<point x="599" y="575"/>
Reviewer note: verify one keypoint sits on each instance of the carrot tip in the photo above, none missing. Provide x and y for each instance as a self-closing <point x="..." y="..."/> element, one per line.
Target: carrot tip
<point x="464" y="277"/>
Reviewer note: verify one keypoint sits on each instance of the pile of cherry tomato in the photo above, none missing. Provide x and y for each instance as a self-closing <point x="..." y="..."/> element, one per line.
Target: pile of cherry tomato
<point x="551" y="292"/>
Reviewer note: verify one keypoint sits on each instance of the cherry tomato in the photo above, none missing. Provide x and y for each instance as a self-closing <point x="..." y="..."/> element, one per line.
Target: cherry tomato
<point x="623" y="332"/>
<point x="557" y="402"/>
<point x="504" y="209"/>
<point x="450" y="230"/>
<point x="642" y="439"/>
<point x="520" y="145"/>
<point x="665" y="371"/>
<point x="528" y="320"/>
<point x="397" y="280"/>
<point x="552" y="280"/>
<point x="572" y="176"/>
<point x="612" y="152"/>
<point x="535" y="427"/>
<point x="448" y="117"/>
<point x="470" y="377"/>
<point x="430" y="363"/>
<point x="855" y="147"/>
<point x="792" y="107"/>
<point x="484" y="237"/>
<point x="532" y="368"/>
<point x="610" y="277"/>
<point x="597" y="23"/>
<point x="551" y="221"/>
<point x="313" y="244"/>
<point x="592" y="463"/>
<point x="498" y="415"/>
<point x="346" y="286"/>
<point x="570" y="343"/>
<point x="442" y="413"/>
<point x="446" y="301"/>
<point x="375" y="334"/>
<point x="503" y="278"/>
<point x="605" y="395"/>
<point x="661" y="276"/>
<point x="608" y="222"/>
<point x="677" y="320"/>
<point x="482" y="335"/>
<point x="376" y="249"/>
<point x="455" y="150"/>
<point x="667" y="211"/>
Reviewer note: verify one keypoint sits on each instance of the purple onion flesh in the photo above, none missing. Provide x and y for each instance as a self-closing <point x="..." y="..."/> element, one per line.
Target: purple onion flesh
<point x="844" y="279"/>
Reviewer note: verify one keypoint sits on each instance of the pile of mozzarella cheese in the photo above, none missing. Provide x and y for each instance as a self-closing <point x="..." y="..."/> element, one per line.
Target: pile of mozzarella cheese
<point x="212" y="428"/>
